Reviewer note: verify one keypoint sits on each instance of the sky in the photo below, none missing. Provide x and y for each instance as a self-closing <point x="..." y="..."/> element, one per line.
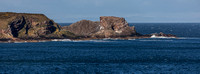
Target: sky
<point x="134" y="11"/>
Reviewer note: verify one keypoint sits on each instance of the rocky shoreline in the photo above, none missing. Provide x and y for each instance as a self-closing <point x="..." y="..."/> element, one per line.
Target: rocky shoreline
<point x="24" y="27"/>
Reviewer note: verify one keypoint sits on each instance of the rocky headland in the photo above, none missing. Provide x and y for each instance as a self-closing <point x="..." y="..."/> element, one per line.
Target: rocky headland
<point x="24" y="27"/>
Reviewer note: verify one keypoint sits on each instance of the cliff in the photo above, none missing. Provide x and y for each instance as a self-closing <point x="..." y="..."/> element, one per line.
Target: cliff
<point x="111" y="26"/>
<point x="23" y="26"/>
<point x="107" y="27"/>
<point x="83" y="28"/>
<point x="29" y="26"/>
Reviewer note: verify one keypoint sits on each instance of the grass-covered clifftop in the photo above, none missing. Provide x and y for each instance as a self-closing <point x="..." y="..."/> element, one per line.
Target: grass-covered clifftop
<point x="30" y="26"/>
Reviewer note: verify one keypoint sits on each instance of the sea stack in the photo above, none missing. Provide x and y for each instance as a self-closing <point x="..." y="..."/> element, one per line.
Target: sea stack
<point x="111" y="26"/>
<point x="108" y="27"/>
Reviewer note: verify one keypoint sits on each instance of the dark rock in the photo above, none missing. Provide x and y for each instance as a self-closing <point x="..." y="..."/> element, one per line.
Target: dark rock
<point x="165" y="35"/>
<point x="160" y="35"/>
<point x="16" y="25"/>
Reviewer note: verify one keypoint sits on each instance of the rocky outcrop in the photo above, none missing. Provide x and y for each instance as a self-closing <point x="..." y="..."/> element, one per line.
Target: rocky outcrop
<point x="159" y="35"/>
<point x="33" y="27"/>
<point x="115" y="27"/>
<point x="83" y="28"/>
<point x="108" y="26"/>
<point x="162" y="34"/>
<point x="29" y="26"/>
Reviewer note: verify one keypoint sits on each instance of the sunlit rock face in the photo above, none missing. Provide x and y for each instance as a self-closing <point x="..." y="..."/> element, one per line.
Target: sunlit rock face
<point x="111" y="26"/>
<point x="28" y="26"/>
<point x="108" y="26"/>
<point x="25" y="26"/>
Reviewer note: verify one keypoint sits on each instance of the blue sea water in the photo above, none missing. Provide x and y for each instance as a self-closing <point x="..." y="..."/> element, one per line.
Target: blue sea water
<point x="152" y="55"/>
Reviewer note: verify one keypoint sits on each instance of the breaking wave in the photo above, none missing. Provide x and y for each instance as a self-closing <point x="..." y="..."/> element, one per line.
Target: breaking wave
<point x="155" y="40"/>
<point x="153" y="36"/>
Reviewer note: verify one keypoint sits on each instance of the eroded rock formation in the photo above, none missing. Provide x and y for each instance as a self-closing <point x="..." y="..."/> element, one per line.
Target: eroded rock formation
<point x="115" y="27"/>
<point x="108" y="26"/>
<point x="23" y="26"/>
<point x="83" y="28"/>
<point x="29" y="26"/>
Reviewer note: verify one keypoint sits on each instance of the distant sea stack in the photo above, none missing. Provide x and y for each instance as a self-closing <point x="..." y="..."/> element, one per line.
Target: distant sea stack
<point x="24" y="26"/>
<point x="111" y="26"/>
<point x="107" y="27"/>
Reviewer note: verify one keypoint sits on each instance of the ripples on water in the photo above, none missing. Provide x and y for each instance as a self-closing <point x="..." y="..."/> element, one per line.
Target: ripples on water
<point x="153" y="55"/>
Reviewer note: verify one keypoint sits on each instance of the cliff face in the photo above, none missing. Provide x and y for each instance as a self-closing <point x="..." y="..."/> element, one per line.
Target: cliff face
<point x="83" y="28"/>
<point x="22" y="26"/>
<point x="27" y="26"/>
<point x="108" y="26"/>
<point x="115" y="27"/>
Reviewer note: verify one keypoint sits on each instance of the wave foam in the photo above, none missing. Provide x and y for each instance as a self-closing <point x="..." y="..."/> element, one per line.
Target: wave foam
<point x="155" y="40"/>
<point x="153" y="36"/>
<point x="68" y="40"/>
<point x="61" y="40"/>
<point x="131" y="39"/>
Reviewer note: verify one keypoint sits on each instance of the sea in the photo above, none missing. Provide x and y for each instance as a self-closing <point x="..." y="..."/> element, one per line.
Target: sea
<point x="109" y="56"/>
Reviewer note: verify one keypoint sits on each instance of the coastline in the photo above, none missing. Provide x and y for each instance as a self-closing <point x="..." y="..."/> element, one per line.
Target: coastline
<point x="78" y="39"/>
<point x="25" y="27"/>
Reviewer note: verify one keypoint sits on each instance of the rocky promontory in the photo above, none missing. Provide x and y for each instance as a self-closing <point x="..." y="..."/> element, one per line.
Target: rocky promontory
<point x="25" y="26"/>
<point x="107" y="27"/>
<point x="33" y="27"/>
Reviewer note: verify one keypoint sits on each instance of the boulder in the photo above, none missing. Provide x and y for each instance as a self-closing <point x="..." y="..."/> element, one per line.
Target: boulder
<point x="162" y="34"/>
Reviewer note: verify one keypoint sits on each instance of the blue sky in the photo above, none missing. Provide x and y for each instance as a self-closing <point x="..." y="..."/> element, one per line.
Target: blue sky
<point x="135" y="11"/>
